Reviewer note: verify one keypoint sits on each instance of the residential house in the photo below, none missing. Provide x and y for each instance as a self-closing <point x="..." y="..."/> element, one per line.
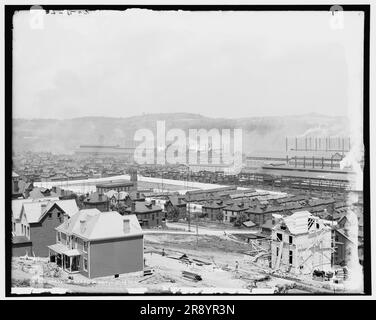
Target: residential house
<point x="38" y="220"/>
<point x="345" y="241"/>
<point x="260" y="214"/>
<point x="124" y="197"/>
<point x="301" y="243"/>
<point x="231" y="211"/>
<point x="213" y="209"/>
<point x="98" y="201"/>
<point x="148" y="214"/>
<point x="17" y="205"/>
<point x="99" y="244"/>
<point x="133" y="196"/>
<point x="174" y="202"/>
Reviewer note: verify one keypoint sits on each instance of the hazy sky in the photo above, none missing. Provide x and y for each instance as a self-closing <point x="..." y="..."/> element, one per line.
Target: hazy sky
<point x="219" y="64"/>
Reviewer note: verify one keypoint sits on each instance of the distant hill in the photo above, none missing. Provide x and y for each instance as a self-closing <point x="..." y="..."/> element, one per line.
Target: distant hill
<point x="261" y="135"/>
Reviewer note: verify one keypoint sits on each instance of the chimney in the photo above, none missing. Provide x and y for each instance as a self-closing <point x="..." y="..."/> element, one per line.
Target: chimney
<point x="43" y="207"/>
<point x="133" y="207"/>
<point x="82" y="224"/>
<point x="126" y="225"/>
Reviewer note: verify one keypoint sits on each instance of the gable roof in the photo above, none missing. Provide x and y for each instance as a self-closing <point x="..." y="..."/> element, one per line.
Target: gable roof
<point x="100" y="225"/>
<point x="34" y="211"/>
<point x="17" y="207"/>
<point x="174" y="199"/>
<point x="18" y="203"/>
<point x="342" y="232"/>
<point x="69" y="206"/>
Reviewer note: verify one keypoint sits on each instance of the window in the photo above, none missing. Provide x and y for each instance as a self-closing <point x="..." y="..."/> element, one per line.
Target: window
<point x="85" y="264"/>
<point x="317" y="226"/>
<point x="290" y="257"/>
<point x="58" y="237"/>
<point x="279" y="236"/>
<point x="50" y="215"/>
<point x="290" y="239"/>
<point x="28" y="231"/>
<point x="85" y="246"/>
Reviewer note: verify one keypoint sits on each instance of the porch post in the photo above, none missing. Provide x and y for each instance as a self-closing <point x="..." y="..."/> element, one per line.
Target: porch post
<point x="70" y="263"/>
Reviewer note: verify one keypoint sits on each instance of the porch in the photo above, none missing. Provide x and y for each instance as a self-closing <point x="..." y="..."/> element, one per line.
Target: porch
<point x="67" y="259"/>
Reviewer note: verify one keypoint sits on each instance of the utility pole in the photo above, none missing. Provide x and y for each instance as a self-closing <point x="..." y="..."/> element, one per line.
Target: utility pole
<point x="196" y="229"/>
<point x="188" y="204"/>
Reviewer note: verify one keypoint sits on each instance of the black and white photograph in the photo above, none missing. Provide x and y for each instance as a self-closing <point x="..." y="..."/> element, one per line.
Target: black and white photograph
<point x="187" y="150"/>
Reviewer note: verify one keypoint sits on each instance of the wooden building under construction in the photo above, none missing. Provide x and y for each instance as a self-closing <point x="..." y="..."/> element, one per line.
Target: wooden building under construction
<point x="300" y="244"/>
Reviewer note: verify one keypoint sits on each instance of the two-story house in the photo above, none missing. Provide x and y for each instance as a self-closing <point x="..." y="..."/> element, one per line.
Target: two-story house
<point x="231" y="211"/>
<point x="98" y="244"/>
<point x="148" y="214"/>
<point x="37" y="222"/>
